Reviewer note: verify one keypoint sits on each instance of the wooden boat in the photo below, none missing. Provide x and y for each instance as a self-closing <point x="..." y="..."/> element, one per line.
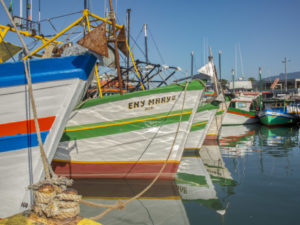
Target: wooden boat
<point x="202" y="121"/>
<point x="275" y="112"/>
<point x="130" y="135"/>
<point x="58" y="85"/>
<point x="242" y="110"/>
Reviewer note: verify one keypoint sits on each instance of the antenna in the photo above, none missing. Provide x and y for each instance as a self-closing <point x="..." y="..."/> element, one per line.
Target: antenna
<point x="241" y="60"/>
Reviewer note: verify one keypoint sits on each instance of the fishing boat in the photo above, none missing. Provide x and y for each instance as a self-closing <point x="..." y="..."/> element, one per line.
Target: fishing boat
<point x="275" y="112"/>
<point x="202" y="121"/>
<point x="206" y="110"/>
<point x="58" y="85"/>
<point x="129" y="135"/>
<point x="242" y="110"/>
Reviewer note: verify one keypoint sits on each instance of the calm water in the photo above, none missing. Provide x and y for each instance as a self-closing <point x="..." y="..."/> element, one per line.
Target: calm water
<point x="251" y="177"/>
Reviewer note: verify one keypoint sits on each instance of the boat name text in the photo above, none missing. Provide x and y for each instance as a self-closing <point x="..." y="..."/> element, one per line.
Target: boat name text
<point x="151" y="102"/>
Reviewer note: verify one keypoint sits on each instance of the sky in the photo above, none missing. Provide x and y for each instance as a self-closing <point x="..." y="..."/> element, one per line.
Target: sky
<point x="265" y="31"/>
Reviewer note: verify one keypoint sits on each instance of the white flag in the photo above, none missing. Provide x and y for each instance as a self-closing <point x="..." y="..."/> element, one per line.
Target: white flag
<point x="207" y="69"/>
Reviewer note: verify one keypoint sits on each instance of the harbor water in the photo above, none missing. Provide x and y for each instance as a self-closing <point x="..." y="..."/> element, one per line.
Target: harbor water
<point x="250" y="176"/>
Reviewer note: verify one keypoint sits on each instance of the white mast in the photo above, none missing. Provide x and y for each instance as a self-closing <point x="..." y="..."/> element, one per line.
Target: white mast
<point x="241" y="60"/>
<point x="21" y="9"/>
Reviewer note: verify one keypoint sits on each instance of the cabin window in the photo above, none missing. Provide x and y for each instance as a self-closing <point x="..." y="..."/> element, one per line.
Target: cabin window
<point x="242" y="105"/>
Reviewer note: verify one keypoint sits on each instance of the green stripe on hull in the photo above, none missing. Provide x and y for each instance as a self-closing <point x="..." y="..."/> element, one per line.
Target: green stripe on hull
<point x="223" y="181"/>
<point x="195" y="180"/>
<point x="275" y="120"/>
<point x="127" y="120"/>
<point x="193" y="85"/>
<point x="121" y="128"/>
<point x="220" y="112"/>
<point x="208" y="106"/>
<point x="198" y="126"/>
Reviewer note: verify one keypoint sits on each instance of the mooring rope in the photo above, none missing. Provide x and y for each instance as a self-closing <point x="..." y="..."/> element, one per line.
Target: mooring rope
<point x="120" y="204"/>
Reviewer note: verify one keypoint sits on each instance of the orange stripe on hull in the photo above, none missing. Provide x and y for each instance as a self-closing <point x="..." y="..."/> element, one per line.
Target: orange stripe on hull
<point x="26" y="126"/>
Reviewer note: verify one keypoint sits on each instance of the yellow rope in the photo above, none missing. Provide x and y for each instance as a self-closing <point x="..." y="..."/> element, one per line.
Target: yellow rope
<point x="120" y="204"/>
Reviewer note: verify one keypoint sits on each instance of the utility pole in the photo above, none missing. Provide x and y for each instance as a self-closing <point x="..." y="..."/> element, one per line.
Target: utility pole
<point x="220" y="75"/>
<point x="192" y="63"/>
<point x="285" y="62"/>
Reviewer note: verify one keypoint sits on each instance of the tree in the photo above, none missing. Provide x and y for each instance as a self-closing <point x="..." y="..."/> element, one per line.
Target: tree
<point x="251" y="79"/>
<point x="223" y="82"/>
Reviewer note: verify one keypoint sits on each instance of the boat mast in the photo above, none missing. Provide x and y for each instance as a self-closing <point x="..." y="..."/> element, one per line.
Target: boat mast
<point x="113" y="21"/>
<point x="220" y="53"/>
<point x="192" y="63"/>
<point x="146" y="42"/>
<point x="128" y="41"/>
<point x="233" y="71"/>
<point x="260" y="89"/>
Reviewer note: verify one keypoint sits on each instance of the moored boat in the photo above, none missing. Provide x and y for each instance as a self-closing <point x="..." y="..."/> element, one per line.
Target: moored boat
<point x="275" y="112"/>
<point x="202" y="121"/>
<point x="241" y="111"/>
<point x="58" y="85"/>
<point x="130" y="135"/>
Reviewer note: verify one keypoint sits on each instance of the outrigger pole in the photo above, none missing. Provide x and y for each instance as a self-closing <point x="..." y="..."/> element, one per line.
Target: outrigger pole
<point x="113" y="20"/>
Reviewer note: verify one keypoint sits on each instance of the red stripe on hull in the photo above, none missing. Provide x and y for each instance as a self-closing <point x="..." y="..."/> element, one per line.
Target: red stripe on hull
<point x="26" y="126"/>
<point x="242" y="114"/>
<point x="115" y="170"/>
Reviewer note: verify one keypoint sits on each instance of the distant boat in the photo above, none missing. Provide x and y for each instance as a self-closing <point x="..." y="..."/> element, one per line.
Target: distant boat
<point x="130" y="135"/>
<point x="242" y="110"/>
<point x="58" y="85"/>
<point x="275" y="112"/>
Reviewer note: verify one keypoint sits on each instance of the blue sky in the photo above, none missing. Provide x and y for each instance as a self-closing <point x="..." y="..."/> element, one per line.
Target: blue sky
<point x="266" y="30"/>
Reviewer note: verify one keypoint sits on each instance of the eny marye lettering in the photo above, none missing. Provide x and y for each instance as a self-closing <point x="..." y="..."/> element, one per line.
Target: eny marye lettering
<point x="151" y="102"/>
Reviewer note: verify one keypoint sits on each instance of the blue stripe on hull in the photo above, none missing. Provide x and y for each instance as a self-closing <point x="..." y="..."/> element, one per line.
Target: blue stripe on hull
<point x="49" y="69"/>
<point x="20" y="141"/>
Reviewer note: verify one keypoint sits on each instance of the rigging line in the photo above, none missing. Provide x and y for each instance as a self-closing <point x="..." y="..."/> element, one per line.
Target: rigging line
<point x="56" y="17"/>
<point x="7" y="49"/>
<point x="156" y="45"/>
<point x="136" y="44"/>
<point x="137" y="37"/>
<point x="65" y="34"/>
<point x="52" y="25"/>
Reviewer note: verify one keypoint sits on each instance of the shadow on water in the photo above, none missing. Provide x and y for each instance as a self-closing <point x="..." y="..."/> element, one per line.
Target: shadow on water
<point x="250" y="177"/>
